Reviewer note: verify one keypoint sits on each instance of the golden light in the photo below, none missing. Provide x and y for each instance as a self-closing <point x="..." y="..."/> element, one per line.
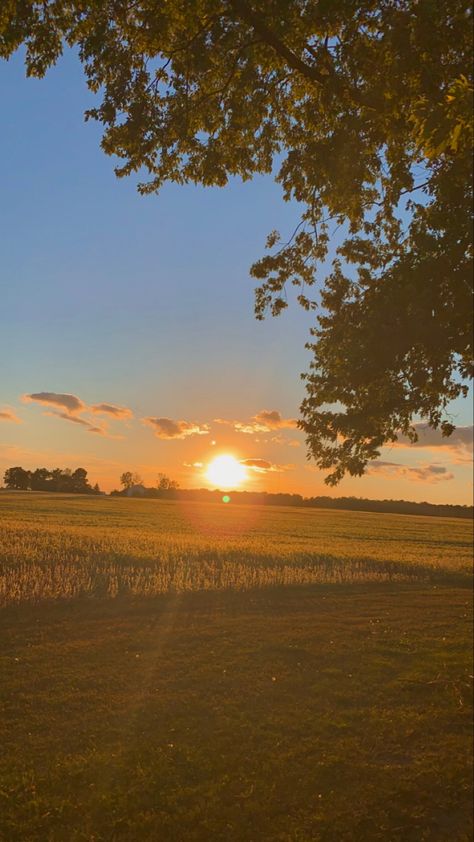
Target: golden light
<point x="226" y="471"/>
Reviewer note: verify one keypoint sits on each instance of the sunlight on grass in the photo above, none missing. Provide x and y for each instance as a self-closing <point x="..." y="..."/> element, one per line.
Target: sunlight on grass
<point x="115" y="547"/>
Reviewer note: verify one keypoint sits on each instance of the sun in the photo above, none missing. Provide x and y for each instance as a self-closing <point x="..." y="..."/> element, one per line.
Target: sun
<point x="226" y="471"/>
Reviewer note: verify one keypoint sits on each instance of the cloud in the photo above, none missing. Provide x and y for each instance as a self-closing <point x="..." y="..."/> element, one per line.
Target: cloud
<point x="263" y="466"/>
<point x="9" y="415"/>
<point x="112" y="409"/>
<point x="66" y="417"/>
<point x="424" y="473"/>
<point x="248" y="429"/>
<point x="166" y="428"/>
<point x="260" y="464"/>
<point x="103" y="431"/>
<point x="459" y="444"/>
<point x="272" y="420"/>
<point x="75" y="419"/>
<point x="73" y="409"/>
<point x="264" y="421"/>
<point x="70" y="403"/>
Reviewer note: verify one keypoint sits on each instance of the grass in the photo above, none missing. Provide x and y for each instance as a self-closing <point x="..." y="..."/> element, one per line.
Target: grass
<point x="333" y="711"/>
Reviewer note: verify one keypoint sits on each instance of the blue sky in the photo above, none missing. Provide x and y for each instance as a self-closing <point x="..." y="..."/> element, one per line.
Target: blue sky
<point x="97" y="272"/>
<point x="144" y="302"/>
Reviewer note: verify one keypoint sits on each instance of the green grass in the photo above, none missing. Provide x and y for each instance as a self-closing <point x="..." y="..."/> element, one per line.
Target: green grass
<point x="329" y="711"/>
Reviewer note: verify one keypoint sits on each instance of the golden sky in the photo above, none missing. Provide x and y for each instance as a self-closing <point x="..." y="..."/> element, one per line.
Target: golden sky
<point x="53" y="429"/>
<point x="127" y="334"/>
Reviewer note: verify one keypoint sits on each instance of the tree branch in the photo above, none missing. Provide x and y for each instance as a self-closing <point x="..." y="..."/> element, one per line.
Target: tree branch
<point x="256" y="21"/>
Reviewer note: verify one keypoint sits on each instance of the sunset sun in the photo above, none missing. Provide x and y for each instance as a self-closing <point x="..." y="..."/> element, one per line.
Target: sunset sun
<point x="226" y="471"/>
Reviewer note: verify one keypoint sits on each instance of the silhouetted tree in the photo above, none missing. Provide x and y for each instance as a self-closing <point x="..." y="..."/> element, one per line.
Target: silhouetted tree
<point x="363" y="110"/>
<point x="129" y="479"/>
<point x="41" y="480"/>
<point x="164" y="483"/>
<point x="79" y="483"/>
<point x="17" y="479"/>
<point x="57" y="479"/>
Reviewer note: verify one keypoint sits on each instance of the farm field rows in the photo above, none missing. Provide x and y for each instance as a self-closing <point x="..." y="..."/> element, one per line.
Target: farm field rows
<point x="220" y="674"/>
<point x="55" y="546"/>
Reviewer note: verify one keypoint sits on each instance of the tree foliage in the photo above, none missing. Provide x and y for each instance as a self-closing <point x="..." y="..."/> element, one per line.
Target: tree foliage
<point x="362" y="110"/>
<point x="128" y="479"/>
<point x="132" y="484"/>
<point x="43" y="479"/>
<point x="165" y="483"/>
<point x="17" y="479"/>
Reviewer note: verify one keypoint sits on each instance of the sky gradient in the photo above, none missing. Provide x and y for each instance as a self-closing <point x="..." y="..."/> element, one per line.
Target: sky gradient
<point x="141" y="308"/>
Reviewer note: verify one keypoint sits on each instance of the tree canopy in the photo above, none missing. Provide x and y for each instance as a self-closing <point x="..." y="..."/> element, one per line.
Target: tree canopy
<point x="362" y="111"/>
<point x="128" y="479"/>
<point x="165" y="483"/>
<point x="42" y="479"/>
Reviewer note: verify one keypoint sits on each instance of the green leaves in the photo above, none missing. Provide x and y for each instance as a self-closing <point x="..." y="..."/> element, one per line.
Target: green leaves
<point x="446" y="128"/>
<point x="367" y="107"/>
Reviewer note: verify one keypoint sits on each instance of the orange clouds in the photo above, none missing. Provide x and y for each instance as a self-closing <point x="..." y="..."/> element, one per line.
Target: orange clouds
<point x="263" y="466"/>
<point x="272" y="420"/>
<point x="458" y="444"/>
<point x="112" y="409"/>
<point x="265" y="421"/>
<point x="260" y="464"/>
<point x="9" y="415"/>
<point x="73" y="409"/>
<point x="76" y="419"/>
<point x="424" y="473"/>
<point x="166" y="428"/>
<point x="70" y="403"/>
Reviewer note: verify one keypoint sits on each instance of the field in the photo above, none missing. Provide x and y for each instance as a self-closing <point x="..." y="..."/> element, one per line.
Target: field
<point x="202" y="672"/>
<point x="58" y="547"/>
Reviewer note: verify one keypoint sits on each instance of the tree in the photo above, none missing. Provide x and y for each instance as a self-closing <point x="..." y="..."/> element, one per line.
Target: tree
<point x="363" y="110"/>
<point x="79" y="482"/>
<point x="129" y="479"/>
<point x="58" y="480"/>
<point x="41" y="480"/>
<point x="17" y="479"/>
<point x="164" y="483"/>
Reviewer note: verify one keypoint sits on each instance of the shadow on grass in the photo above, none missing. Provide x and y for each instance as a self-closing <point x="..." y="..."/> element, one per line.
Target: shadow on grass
<point x="332" y="712"/>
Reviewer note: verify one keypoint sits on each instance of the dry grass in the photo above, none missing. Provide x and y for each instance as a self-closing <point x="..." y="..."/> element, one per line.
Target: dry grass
<point x="60" y="547"/>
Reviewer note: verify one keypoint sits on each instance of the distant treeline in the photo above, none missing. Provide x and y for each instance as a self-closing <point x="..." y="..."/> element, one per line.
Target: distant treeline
<point x="42" y="479"/>
<point x="359" y="504"/>
<point x="403" y="507"/>
<point x="76" y="482"/>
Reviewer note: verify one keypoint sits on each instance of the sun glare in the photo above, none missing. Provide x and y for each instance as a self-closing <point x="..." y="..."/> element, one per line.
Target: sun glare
<point x="225" y="471"/>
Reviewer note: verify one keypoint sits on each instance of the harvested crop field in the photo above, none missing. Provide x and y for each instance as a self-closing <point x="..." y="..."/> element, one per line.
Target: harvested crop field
<point x="243" y="674"/>
<point x="61" y="547"/>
